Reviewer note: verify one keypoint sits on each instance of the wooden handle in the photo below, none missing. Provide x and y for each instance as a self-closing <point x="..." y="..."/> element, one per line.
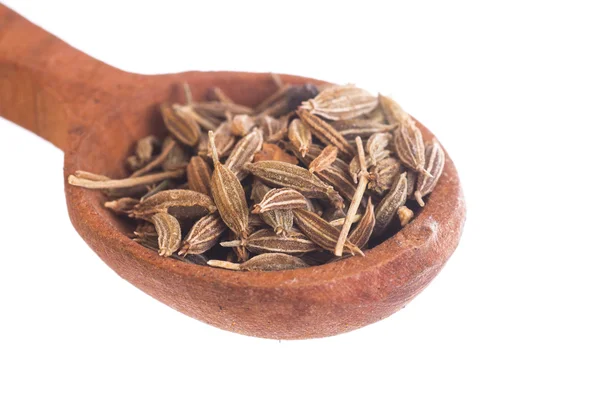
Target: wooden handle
<point x="47" y="86"/>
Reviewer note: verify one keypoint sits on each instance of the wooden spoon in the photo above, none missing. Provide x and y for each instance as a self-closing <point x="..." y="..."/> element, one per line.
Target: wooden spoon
<point x="94" y="113"/>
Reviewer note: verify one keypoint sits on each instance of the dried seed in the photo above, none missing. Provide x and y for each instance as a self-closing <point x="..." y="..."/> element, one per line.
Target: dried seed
<point x="434" y="164"/>
<point x="356" y="200"/>
<point x="122" y="205"/>
<point x="280" y="220"/>
<point x="341" y="103"/>
<point x="273" y="152"/>
<point x="144" y="148"/>
<point x="280" y="199"/>
<point x="327" y="156"/>
<point x="390" y="203"/>
<point x="169" y="233"/>
<point x="338" y="222"/>
<point x="267" y="241"/>
<point x="409" y="147"/>
<point x="300" y="136"/>
<point x="203" y="235"/>
<point x="198" y="175"/>
<point x="243" y="152"/>
<point x="361" y="234"/>
<point x="180" y="203"/>
<point x="274" y="129"/>
<point x="321" y="232"/>
<point x="242" y="125"/>
<point x="263" y="262"/>
<point x="327" y="134"/>
<point x="180" y="125"/>
<point x="405" y="215"/>
<point x="383" y="175"/>
<point x="377" y="147"/>
<point x="393" y="112"/>
<point x="286" y="175"/>
<point x="228" y="194"/>
<point x="124" y="183"/>
<point x="362" y="128"/>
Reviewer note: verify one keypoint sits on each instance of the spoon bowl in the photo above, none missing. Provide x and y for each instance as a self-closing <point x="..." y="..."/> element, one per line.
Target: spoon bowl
<point x="95" y="113"/>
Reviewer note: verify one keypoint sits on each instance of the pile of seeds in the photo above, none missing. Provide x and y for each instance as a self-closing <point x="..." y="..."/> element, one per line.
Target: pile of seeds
<point x="308" y="176"/>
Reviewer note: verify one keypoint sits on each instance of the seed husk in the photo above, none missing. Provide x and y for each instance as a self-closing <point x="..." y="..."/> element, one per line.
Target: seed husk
<point x="274" y="152"/>
<point x="300" y="136"/>
<point x="327" y="156"/>
<point x="280" y="220"/>
<point x="267" y="241"/>
<point x="203" y="235"/>
<point x="228" y="194"/>
<point x="341" y="103"/>
<point x="361" y="234"/>
<point x="198" y="175"/>
<point x="405" y="215"/>
<point x="385" y="210"/>
<point x="169" y="233"/>
<point x="285" y="175"/>
<point x="327" y="134"/>
<point x="243" y="152"/>
<point x="321" y="232"/>
<point x="263" y="262"/>
<point x="435" y="158"/>
<point x="180" y="203"/>
<point x="180" y="125"/>
<point x="280" y="199"/>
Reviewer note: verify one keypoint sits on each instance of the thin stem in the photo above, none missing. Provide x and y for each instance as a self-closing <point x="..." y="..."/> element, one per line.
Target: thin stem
<point x="91" y="176"/>
<point x="356" y="199"/>
<point x="124" y="183"/>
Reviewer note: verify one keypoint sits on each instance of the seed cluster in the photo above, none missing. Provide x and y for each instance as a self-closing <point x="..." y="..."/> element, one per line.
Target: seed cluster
<point x="286" y="184"/>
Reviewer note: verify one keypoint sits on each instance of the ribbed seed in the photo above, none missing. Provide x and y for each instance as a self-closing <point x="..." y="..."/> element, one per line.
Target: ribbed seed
<point x="385" y="210"/>
<point x="285" y="175"/>
<point x="203" y="235"/>
<point x="274" y="130"/>
<point x="327" y="156"/>
<point x="263" y="262"/>
<point x="178" y="202"/>
<point x="243" y="152"/>
<point x="228" y="194"/>
<point x="434" y="164"/>
<point x="327" y="134"/>
<point x="267" y="241"/>
<point x="180" y="125"/>
<point x="341" y="103"/>
<point x="359" y="127"/>
<point x="176" y="158"/>
<point x="198" y="175"/>
<point x="321" y="232"/>
<point x="220" y="109"/>
<point x="409" y="146"/>
<point x="280" y="220"/>
<point x="280" y="199"/>
<point x="300" y="136"/>
<point x="242" y="125"/>
<point x="361" y="234"/>
<point x="383" y="175"/>
<point x="169" y="233"/>
<point x="393" y="112"/>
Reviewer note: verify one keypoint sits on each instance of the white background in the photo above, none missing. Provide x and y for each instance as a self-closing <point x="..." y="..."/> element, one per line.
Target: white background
<point x="512" y="91"/>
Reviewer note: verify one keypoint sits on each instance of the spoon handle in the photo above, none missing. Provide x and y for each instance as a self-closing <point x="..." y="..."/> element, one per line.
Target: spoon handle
<point x="47" y="86"/>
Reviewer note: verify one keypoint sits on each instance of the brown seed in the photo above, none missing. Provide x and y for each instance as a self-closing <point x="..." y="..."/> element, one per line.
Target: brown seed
<point x="360" y="127"/>
<point x="280" y="199"/>
<point x="144" y="148"/>
<point x="169" y="233"/>
<point x="383" y="175"/>
<point x="405" y="215"/>
<point x="220" y="109"/>
<point x="180" y="203"/>
<point x="321" y="232"/>
<point x="393" y="112"/>
<point x="243" y="152"/>
<point x="203" y="235"/>
<point x="280" y="220"/>
<point x="300" y="136"/>
<point x="327" y="156"/>
<point x="267" y="241"/>
<point x="274" y="129"/>
<point x="285" y="175"/>
<point x="263" y="262"/>
<point x="242" y="125"/>
<point x="341" y="103"/>
<point x="409" y="147"/>
<point x="327" y="134"/>
<point x="180" y="125"/>
<point x="176" y="158"/>
<point x="274" y="152"/>
<point x="198" y="175"/>
<point x="228" y="194"/>
<point x="434" y="164"/>
<point x="385" y="210"/>
<point x="361" y="234"/>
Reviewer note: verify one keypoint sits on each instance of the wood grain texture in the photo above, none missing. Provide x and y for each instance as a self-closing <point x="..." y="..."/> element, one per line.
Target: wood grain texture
<point x="95" y="113"/>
